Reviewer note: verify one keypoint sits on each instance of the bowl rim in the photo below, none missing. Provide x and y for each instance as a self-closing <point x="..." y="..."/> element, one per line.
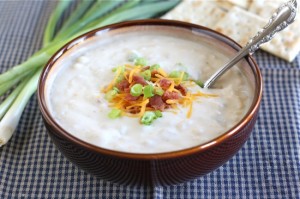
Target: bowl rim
<point x="149" y="156"/>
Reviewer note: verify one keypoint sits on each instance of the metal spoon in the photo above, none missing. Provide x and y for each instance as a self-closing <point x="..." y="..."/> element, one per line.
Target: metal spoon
<point x="284" y="16"/>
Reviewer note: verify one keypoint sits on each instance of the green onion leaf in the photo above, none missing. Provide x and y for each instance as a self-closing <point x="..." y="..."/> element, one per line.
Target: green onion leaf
<point x="116" y="89"/>
<point x="114" y="113"/>
<point x="185" y="76"/>
<point x="177" y="74"/>
<point x="154" y="67"/>
<point x="140" y="62"/>
<point x="158" y="113"/>
<point x="158" y="91"/>
<point x="98" y="10"/>
<point x="110" y="95"/>
<point x="4" y="87"/>
<point x="148" y="91"/>
<point x="136" y="90"/>
<point x="80" y="10"/>
<point x="12" y="116"/>
<point x="146" y="74"/>
<point x="199" y="83"/>
<point x="12" y="96"/>
<point x="148" y="118"/>
<point x="53" y="20"/>
<point x="132" y="56"/>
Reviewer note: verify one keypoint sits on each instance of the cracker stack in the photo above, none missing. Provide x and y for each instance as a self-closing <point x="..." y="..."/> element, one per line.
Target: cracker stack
<point x="240" y="20"/>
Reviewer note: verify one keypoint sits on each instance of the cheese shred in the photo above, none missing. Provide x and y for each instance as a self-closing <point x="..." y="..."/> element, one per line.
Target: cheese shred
<point x="172" y="91"/>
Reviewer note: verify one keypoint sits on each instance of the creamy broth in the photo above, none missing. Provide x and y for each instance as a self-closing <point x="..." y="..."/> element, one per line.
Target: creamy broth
<point x="76" y="102"/>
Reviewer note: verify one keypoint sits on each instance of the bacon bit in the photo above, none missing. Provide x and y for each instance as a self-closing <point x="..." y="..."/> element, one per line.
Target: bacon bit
<point x="127" y="90"/>
<point x="175" y="94"/>
<point x="139" y="80"/>
<point x="165" y="83"/>
<point x="170" y="95"/>
<point x="157" y="103"/>
<point x="123" y="85"/>
<point x="182" y="89"/>
<point x="145" y="68"/>
<point x="129" y="97"/>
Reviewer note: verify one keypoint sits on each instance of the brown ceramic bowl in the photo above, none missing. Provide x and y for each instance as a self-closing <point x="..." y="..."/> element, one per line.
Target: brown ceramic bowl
<point x="161" y="168"/>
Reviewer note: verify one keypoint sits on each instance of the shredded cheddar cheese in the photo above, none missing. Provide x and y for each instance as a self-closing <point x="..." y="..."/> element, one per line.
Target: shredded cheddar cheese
<point x="172" y="91"/>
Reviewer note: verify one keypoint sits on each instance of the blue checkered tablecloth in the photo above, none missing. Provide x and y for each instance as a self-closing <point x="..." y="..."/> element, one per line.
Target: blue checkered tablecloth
<point x="268" y="166"/>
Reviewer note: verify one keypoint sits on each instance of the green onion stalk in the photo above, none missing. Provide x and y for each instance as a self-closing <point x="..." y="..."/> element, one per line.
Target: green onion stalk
<point x="20" y="82"/>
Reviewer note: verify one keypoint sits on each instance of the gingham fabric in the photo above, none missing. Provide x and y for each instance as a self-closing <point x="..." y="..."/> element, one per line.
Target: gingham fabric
<point x="268" y="166"/>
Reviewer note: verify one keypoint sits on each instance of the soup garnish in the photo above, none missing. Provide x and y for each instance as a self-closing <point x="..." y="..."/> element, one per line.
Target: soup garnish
<point x="144" y="91"/>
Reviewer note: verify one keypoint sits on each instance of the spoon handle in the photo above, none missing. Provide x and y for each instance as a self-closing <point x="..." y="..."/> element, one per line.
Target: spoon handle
<point x="284" y="16"/>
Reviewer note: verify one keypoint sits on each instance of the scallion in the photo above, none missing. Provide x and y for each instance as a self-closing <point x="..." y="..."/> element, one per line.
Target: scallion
<point x="178" y="74"/>
<point x="199" y="83"/>
<point x="158" y="91"/>
<point x="110" y="95"/>
<point x="146" y="74"/>
<point x="136" y="90"/>
<point x="158" y="113"/>
<point x="148" y="91"/>
<point x="148" y="118"/>
<point x="114" y="113"/>
<point x="154" y="67"/>
<point x="140" y="62"/>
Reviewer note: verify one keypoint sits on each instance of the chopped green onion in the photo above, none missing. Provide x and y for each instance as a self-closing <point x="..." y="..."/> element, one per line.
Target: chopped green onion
<point x="114" y="113"/>
<point x="185" y="76"/>
<point x="158" y="113"/>
<point x="114" y="69"/>
<point x="140" y="62"/>
<point x="148" y="91"/>
<point x="122" y="68"/>
<point x="146" y="74"/>
<point x="116" y="89"/>
<point x="132" y="56"/>
<point x="110" y="95"/>
<point x="136" y="90"/>
<point x="148" y="118"/>
<point x="158" y="91"/>
<point x="154" y="67"/>
<point x="120" y="78"/>
<point x="177" y="74"/>
<point x="199" y="83"/>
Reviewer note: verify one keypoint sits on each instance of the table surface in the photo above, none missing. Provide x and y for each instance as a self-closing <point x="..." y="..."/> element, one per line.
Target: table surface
<point x="268" y="166"/>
